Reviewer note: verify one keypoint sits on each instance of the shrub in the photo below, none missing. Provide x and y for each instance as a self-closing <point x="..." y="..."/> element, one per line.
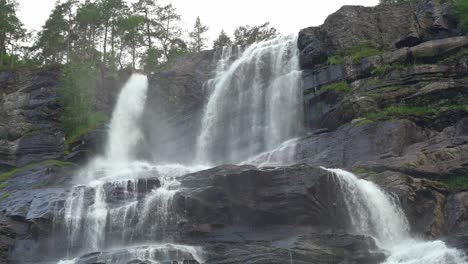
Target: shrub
<point x="387" y="68"/>
<point x="456" y="182"/>
<point x="336" y="59"/>
<point x="339" y="86"/>
<point x="461" y="9"/>
<point x="363" y="50"/>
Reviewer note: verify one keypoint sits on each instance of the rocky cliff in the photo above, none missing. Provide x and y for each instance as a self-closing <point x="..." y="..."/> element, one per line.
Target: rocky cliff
<point x="385" y="94"/>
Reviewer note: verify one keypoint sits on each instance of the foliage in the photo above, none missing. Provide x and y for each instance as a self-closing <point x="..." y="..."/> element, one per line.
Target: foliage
<point x="76" y="89"/>
<point x="456" y="181"/>
<point x="336" y="59"/>
<point x="461" y="8"/>
<point x="403" y="110"/>
<point x="93" y="121"/>
<point x="247" y="35"/>
<point x="7" y="175"/>
<point x="387" y="68"/>
<point x="454" y="56"/>
<point x="197" y="39"/>
<point x="339" y="86"/>
<point x="11" y="30"/>
<point x="223" y="40"/>
<point x="363" y="50"/>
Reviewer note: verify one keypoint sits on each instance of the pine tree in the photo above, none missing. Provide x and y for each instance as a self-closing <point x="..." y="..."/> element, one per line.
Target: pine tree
<point x="197" y="39"/>
<point x="247" y="35"/>
<point x="10" y="26"/>
<point x="223" y="40"/>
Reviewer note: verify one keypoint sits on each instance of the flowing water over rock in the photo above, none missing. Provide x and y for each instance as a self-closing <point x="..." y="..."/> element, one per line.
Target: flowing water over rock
<point x="255" y="102"/>
<point x="120" y="201"/>
<point x="374" y="213"/>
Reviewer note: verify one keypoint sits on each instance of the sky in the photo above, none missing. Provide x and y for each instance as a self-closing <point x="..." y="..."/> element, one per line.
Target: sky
<point x="288" y="16"/>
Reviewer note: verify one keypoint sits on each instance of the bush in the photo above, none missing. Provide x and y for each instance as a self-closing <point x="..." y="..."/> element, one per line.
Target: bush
<point x="334" y="60"/>
<point x="387" y="68"/>
<point x="363" y="50"/>
<point x="456" y="182"/>
<point x="339" y="86"/>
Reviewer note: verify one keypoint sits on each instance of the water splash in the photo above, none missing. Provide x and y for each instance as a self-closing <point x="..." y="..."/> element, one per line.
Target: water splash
<point x="254" y="104"/>
<point x="375" y="213"/>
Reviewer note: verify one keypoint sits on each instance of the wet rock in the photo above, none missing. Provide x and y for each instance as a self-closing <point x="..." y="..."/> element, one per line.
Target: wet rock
<point x="456" y="212"/>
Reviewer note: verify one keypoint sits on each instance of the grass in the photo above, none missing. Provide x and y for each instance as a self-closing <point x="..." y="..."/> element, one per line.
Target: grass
<point x="399" y="110"/>
<point x="363" y="50"/>
<point x="455" y="56"/>
<point x="456" y="182"/>
<point x="339" y="87"/>
<point x="357" y="53"/>
<point x="387" y="68"/>
<point x="335" y="60"/>
<point x="7" y="175"/>
<point x="4" y="196"/>
<point x="404" y="110"/>
<point x="94" y="121"/>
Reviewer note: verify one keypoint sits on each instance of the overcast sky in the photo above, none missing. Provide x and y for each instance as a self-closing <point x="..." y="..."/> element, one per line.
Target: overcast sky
<point x="288" y="16"/>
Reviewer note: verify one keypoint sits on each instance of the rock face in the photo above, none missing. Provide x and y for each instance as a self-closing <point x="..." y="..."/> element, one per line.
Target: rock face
<point x="176" y="97"/>
<point x="29" y="123"/>
<point x="384" y="26"/>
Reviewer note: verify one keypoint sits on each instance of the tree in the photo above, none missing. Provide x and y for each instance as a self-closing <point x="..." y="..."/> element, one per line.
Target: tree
<point x="223" y="40"/>
<point x="111" y="10"/>
<point x="247" y="35"/>
<point x="169" y="31"/>
<point x="10" y="25"/>
<point x="197" y="39"/>
<point x="52" y="38"/>
<point x="132" y="37"/>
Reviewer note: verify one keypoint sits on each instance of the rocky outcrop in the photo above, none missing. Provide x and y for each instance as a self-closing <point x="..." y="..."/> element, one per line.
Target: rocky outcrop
<point x="29" y="123"/>
<point x="384" y="26"/>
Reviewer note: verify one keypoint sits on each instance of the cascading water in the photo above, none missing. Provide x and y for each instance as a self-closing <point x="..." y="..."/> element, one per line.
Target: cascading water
<point x="254" y="104"/>
<point x="122" y="201"/>
<point x="374" y="213"/>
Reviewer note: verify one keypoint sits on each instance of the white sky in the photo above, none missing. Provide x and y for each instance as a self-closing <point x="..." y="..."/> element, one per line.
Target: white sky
<point x="288" y="16"/>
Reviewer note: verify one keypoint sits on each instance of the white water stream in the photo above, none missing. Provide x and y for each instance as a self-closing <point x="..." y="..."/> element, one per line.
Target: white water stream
<point x="255" y="102"/>
<point x="375" y="213"/>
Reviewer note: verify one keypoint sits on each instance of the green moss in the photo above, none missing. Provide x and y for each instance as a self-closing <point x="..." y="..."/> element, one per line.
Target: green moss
<point x="7" y="175"/>
<point x="339" y="86"/>
<point x="3" y="186"/>
<point x="4" y="196"/>
<point x="335" y="60"/>
<point x="457" y="182"/>
<point x="387" y="68"/>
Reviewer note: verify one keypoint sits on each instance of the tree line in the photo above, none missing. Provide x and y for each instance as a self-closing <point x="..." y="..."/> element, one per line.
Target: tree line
<point x="112" y="33"/>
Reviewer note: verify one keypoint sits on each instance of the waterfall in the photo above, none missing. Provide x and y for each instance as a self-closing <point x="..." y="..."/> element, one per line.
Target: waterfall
<point x="374" y="213"/>
<point x="254" y="104"/>
<point x="120" y="201"/>
<point x="125" y="133"/>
